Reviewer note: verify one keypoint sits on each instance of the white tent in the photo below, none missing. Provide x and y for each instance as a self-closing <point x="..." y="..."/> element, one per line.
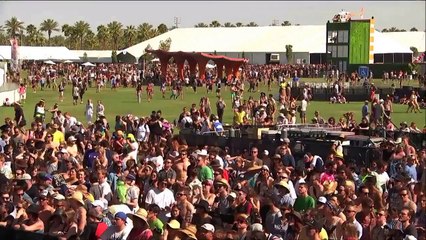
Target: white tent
<point x="88" y="64"/>
<point x="39" y="53"/>
<point x="49" y="62"/>
<point x="96" y="56"/>
<point x="255" y="42"/>
<point x="68" y="61"/>
<point x="411" y="39"/>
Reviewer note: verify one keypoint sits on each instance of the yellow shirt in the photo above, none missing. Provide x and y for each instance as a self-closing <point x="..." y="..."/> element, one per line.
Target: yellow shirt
<point x="239" y="117"/>
<point x="58" y="137"/>
<point x="303" y="234"/>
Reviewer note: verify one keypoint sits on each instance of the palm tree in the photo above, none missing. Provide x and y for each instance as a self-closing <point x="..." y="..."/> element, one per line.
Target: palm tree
<point x="201" y="25"/>
<point x="49" y="25"/>
<point x="14" y="26"/>
<point x="214" y="23"/>
<point x="162" y="28"/>
<point x="228" y="24"/>
<point x="413" y="29"/>
<point x="90" y="40"/>
<point x="102" y="36"/>
<point x="286" y="23"/>
<point x="130" y="35"/>
<point x="31" y="34"/>
<point x="81" y="28"/>
<point x="144" y="32"/>
<point x="115" y="30"/>
<point x="238" y="24"/>
<point x="252" y="24"/>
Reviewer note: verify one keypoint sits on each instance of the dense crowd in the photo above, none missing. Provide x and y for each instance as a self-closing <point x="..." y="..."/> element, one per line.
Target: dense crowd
<point x="132" y="178"/>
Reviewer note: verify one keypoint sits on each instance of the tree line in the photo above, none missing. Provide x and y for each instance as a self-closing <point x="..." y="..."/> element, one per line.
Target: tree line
<point x="111" y="36"/>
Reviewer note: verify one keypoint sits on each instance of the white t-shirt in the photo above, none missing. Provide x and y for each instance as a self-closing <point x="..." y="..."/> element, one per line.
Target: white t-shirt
<point x="112" y="234"/>
<point x="381" y="179"/>
<point x="163" y="199"/>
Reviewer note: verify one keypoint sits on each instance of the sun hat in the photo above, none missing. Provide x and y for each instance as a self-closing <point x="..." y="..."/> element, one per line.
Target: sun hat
<point x="190" y="231"/>
<point x="173" y="224"/>
<point x="282" y="184"/>
<point x="59" y="197"/>
<point x="208" y="227"/>
<point x="233" y="195"/>
<point x="141" y="213"/>
<point x="78" y="197"/>
<point x="221" y="182"/>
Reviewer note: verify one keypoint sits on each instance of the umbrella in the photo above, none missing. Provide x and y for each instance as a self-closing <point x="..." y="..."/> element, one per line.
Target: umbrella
<point x="49" y="62"/>
<point x="88" y="64"/>
<point x="68" y="61"/>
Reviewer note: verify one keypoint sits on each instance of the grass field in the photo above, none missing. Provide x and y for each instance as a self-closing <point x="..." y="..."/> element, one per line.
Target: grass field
<point x="123" y="101"/>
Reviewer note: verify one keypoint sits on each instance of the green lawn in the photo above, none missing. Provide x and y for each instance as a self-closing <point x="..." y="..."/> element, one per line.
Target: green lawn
<point x="123" y="101"/>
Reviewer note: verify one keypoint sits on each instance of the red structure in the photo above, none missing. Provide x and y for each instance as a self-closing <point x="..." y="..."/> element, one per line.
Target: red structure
<point x="231" y="65"/>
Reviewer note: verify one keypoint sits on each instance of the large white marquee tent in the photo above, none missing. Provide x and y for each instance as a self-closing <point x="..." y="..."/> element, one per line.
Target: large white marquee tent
<point x="255" y="42"/>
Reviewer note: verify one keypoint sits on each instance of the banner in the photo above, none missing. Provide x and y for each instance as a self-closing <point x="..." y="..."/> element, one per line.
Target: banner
<point x="14" y="62"/>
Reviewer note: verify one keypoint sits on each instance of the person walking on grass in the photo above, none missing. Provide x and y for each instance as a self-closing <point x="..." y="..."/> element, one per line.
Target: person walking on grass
<point x="139" y="92"/>
<point x="150" y="91"/>
<point x="75" y="94"/>
<point x="89" y="111"/>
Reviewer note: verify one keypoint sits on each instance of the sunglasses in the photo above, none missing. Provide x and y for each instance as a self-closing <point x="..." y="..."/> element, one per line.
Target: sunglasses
<point x="350" y="211"/>
<point x="180" y="194"/>
<point x="403" y="194"/>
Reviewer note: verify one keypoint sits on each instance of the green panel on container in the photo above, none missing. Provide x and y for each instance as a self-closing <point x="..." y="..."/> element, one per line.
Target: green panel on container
<point x="359" y="44"/>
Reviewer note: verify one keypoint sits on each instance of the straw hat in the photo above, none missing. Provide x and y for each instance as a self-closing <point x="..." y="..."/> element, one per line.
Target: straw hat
<point x="140" y="213"/>
<point x="190" y="231"/>
<point x="282" y="184"/>
<point x="174" y="224"/>
<point x="77" y="196"/>
<point x="329" y="187"/>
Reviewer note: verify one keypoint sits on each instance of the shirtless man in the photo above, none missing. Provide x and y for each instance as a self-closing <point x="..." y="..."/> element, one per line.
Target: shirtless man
<point x="181" y="166"/>
<point x="186" y="208"/>
<point x="46" y="210"/>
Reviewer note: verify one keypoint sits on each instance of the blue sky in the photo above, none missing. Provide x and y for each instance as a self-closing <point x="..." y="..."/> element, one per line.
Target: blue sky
<point x="401" y="14"/>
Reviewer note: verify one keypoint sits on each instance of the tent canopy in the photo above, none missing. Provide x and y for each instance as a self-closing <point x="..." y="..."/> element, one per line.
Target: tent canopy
<point x="88" y="64"/>
<point x="39" y="53"/>
<point x="304" y="39"/>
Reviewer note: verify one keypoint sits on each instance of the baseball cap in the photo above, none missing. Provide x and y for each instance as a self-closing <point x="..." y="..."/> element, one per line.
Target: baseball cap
<point x="322" y="200"/>
<point x="208" y="227"/>
<point x="121" y="215"/>
<point x="98" y="203"/>
<point x="256" y="227"/>
<point x="131" y="177"/>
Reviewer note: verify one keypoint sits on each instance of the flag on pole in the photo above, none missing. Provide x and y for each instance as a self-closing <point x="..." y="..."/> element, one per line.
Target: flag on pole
<point x="15" y="64"/>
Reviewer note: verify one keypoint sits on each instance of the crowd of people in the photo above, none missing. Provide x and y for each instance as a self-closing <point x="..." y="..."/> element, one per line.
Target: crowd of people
<point x="132" y="178"/>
